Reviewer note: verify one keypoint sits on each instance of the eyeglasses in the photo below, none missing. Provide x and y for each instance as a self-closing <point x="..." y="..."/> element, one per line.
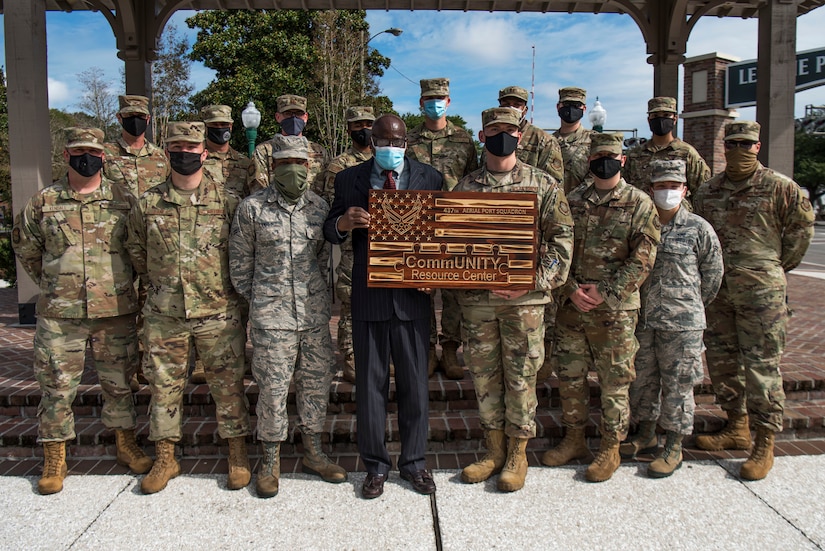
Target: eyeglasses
<point x="743" y="145"/>
<point x="385" y="142"/>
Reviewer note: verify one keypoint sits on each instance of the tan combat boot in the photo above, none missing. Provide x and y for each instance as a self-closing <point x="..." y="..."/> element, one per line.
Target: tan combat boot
<point x="270" y="473"/>
<point x="645" y="441"/>
<point x="432" y="361"/>
<point x="239" y="473"/>
<point x="349" y="367"/>
<point x="166" y="468"/>
<point x="54" y="468"/>
<point x="670" y="459"/>
<point x="515" y="467"/>
<point x="760" y="462"/>
<point x="735" y="436"/>
<point x="198" y="376"/>
<point x="129" y="454"/>
<point x="491" y="463"/>
<point x="316" y="462"/>
<point x="449" y="360"/>
<point x="607" y="460"/>
<point x="572" y="446"/>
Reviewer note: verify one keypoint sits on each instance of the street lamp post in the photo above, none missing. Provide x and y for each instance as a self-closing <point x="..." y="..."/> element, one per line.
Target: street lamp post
<point x="251" y="119"/>
<point x="598" y="116"/>
<point x="393" y="31"/>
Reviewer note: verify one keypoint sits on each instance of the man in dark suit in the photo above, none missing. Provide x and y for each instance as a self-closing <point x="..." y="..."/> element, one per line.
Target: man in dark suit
<point x="386" y="323"/>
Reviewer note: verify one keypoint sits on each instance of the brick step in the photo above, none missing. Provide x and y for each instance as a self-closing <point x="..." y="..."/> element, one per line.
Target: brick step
<point x="450" y="431"/>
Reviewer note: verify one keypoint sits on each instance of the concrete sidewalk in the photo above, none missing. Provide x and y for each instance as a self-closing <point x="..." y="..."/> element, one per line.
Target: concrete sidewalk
<point x="703" y="506"/>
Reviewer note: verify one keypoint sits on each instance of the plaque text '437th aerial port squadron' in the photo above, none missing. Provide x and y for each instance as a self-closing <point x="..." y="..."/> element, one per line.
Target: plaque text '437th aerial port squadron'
<point x="457" y="240"/>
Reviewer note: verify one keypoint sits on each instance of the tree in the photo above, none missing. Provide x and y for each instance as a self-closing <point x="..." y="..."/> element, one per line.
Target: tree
<point x="8" y="267"/>
<point x="259" y="55"/>
<point x="809" y="164"/>
<point x="99" y="101"/>
<point x="171" y="83"/>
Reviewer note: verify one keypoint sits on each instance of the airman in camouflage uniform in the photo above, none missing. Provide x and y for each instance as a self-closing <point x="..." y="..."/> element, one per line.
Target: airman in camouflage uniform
<point x="292" y="116"/>
<point x="450" y="150"/>
<point x="664" y="145"/>
<point x="178" y="241"/>
<point x="133" y="161"/>
<point x="70" y="238"/>
<point x="684" y="280"/>
<point x="616" y="234"/>
<point x="359" y="127"/>
<point x="765" y="224"/>
<point x="504" y="330"/>
<point x="223" y="163"/>
<point x="278" y="258"/>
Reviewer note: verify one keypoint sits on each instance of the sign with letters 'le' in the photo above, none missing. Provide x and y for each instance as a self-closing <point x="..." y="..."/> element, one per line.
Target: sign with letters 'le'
<point x="457" y="240"/>
<point x="740" y="77"/>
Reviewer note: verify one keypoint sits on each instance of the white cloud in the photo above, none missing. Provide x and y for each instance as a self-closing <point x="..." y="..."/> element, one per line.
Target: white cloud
<point x="59" y="94"/>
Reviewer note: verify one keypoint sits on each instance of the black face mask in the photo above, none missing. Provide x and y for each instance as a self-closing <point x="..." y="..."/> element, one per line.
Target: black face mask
<point x="661" y="126"/>
<point x="218" y="135"/>
<point x="292" y="126"/>
<point x="501" y="145"/>
<point x="605" y="167"/>
<point x="570" y="114"/>
<point x="86" y="165"/>
<point x="361" y="137"/>
<point x="185" y="162"/>
<point x="134" y="125"/>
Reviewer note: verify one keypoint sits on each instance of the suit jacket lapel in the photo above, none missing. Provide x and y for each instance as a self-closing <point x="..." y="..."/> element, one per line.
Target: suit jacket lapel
<point x="416" y="178"/>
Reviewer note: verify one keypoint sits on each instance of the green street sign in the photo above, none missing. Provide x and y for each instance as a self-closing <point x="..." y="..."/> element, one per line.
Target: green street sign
<point x="740" y="77"/>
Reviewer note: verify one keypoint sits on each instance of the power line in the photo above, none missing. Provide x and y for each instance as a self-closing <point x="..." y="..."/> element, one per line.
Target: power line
<point x="402" y="74"/>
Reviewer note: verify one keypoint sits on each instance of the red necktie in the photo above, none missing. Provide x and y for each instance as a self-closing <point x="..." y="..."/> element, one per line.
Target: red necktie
<point x="389" y="183"/>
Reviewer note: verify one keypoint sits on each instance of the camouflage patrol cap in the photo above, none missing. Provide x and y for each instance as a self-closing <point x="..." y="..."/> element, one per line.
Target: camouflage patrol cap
<point x="133" y="105"/>
<point x="743" y="130"/>
<point x="84" y="137"/>
<point x="605" y="141"/>
<point x="513" y="92"/>
<point x="662" y="103"/>
<point x="360" y="113"/>
<point x="216" y="113"/>
<point x="435" y="87"/>
<point x="503" y="115"/>
<point x="290" y="147"/>
<point x="668" y="171"/>
<point x="571" y="93"/>
<point x="291" y="102"/>
<point x="192" y="132"/>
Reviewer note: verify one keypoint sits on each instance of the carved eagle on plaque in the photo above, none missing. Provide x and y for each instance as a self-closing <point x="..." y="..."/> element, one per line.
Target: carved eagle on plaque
<point x="402" y="221"/>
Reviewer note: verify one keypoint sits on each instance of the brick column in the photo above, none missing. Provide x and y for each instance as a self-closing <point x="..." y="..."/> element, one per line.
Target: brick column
<point x="704" y="114"/>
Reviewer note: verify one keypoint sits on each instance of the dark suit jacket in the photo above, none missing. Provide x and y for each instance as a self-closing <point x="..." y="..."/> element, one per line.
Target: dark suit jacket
<point x="352" y="188"/>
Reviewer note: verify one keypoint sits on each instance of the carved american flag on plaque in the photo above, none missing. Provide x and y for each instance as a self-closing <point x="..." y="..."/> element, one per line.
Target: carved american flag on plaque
<point x="457" y="240"/>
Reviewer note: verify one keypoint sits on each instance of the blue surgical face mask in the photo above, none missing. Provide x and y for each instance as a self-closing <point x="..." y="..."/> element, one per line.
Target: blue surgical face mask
<point x="389" y="158"/>
<point x="434" y="109"/>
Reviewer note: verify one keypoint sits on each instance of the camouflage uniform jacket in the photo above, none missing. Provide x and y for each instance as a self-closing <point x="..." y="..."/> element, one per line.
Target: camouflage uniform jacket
<point x="451" y="151"/>
<point x="575" y="149"/>
<point x="278" y="260"/>
<point x="138" y="170"/>
<point x="615" y="239"/>
<point x="555" y="227"/>
<point x="179" y="246"/>
<point x="74" y="247"/>
<point x="685" y="278"/>
<point x="235" y="171"/>
<point x="347" y="159"/>
<point x="764" y="223"/>
<point x="637" y="168"/>
<point x="265" y="164"/>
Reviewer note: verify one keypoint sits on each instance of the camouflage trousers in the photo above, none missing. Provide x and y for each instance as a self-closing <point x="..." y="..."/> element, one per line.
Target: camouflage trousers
<point x="745" y="340"/>
<point x="343" y="290"/>
<point x="450" y="318"/>
<point x="219" y="342"/>
<point x="668" y="365"/>
<point x="280" y="357"/>
<point x="504" y="349"/>
<point x="59" y="356"/>
<point x="603" y="341"/>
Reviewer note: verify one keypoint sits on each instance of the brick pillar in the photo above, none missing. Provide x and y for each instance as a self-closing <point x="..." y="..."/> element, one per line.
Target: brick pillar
<point x="704" y="114"/>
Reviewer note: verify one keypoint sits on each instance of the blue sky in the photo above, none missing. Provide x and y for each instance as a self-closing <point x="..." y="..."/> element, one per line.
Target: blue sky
<point x="480" y="52"/>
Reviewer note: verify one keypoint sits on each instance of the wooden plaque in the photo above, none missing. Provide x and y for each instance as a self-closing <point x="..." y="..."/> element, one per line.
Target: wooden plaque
<point x="452" y="239"/>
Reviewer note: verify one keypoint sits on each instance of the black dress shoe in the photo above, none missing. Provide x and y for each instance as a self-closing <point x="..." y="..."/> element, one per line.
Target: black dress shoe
<point x="422" y="481"/>
<point x="373" y="485"/>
